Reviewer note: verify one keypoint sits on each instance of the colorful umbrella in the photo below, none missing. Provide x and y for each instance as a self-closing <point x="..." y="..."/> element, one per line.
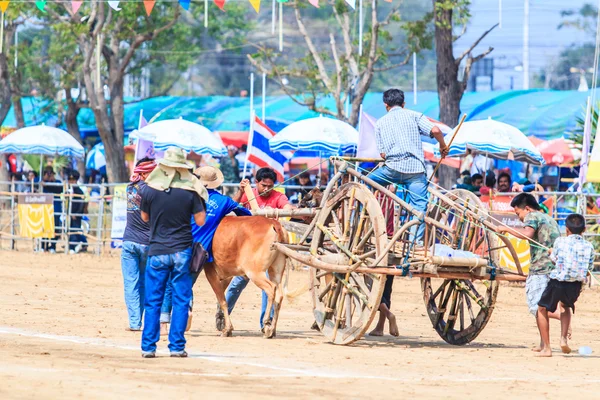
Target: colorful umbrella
<point x="44" y="140"/>
<point x="557" y="151"/>
<point x="186" y="135"/>
<point x="496" y="140"/>
<point x="325" y="135"/>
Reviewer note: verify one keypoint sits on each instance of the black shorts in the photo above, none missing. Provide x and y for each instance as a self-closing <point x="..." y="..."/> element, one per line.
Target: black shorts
<point x="386" y="298"/>
<point x="565" y="292"/>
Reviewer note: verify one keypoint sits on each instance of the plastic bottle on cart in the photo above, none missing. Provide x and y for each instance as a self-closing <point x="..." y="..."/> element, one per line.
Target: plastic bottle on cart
<point x="463" y="254"/>
<point x="441" y="250"/>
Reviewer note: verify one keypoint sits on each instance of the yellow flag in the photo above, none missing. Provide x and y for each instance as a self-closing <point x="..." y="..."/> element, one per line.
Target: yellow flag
<point x="4" y="5"/>
<point x="255" y="5"/>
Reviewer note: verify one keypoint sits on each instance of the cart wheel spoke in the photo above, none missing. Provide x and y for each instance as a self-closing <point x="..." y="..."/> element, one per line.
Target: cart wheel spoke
<point x="346" y="309"/>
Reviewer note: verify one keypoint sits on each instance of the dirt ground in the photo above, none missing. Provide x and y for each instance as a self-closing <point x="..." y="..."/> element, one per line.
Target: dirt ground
<point x="62" y="335"/>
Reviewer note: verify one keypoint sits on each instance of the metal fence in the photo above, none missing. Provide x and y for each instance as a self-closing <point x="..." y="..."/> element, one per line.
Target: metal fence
<point x="94" y="236"/>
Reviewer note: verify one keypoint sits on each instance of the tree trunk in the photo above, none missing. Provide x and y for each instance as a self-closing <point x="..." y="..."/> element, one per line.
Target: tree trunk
<point x="113" y="148"/>
<point x="5" y="91"/>
<point x="449" y="90"/>
<point x="73" y="129"/>
<point x="18" y="110"/>
<point x="117" y="109"/>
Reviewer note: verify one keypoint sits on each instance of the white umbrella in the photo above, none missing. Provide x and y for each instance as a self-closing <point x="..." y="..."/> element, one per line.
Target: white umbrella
<point x="496" y="140"/>
<point x="325" y="135"/>
<point x="42" y="139"/>
<point x="183" y="134"/>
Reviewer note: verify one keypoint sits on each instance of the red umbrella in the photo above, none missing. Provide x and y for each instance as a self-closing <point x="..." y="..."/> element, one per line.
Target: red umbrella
<point x="555" y="152"/>
<point x="235" y="138"/>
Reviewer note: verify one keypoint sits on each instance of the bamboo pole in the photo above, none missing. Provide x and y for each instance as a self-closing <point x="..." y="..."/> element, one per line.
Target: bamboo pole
<point x="251" y="198"/>
<point x="449" y="144"/>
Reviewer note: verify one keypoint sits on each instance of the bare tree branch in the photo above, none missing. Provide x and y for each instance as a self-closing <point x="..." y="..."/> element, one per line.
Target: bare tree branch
<point x="349" y="53"/>
<point x="140" y="39"/>
<point x="279" y="76"/>
<point x="313" y="50"/>
<point x="338" y="69"/>
<point x="470" y="49"/>
<point x="469" y="65"/>
<point x="388" y="18"/>
<point x="464" y="30"/>
<point x="387" y="68"/>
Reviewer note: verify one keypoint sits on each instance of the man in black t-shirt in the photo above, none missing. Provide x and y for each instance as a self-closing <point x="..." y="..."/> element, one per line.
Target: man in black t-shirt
<point x="170" y="253"/>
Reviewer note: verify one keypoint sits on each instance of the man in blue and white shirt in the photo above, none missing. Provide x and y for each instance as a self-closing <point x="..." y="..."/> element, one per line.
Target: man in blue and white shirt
<point x="398" y="136"/>
<point x="574" y="258"/>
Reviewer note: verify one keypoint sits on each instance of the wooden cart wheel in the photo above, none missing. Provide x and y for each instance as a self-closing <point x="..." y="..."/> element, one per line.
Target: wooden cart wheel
<point x="460" y="309"/>
<point x="345" y="304"/>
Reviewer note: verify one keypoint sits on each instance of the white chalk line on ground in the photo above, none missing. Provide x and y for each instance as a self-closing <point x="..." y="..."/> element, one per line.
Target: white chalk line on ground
<point x="287" y="372"/>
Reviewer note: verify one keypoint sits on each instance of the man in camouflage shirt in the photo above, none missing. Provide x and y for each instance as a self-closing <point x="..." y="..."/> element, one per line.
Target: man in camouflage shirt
<point x="230" y="170"/>
<point x="542" y="231"/>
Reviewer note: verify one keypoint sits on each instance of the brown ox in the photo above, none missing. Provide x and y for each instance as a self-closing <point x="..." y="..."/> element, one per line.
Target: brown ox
<point x="242" y="246"/>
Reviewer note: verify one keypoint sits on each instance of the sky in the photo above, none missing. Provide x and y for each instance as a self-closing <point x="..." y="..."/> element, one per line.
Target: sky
<point x="545" y="40"/>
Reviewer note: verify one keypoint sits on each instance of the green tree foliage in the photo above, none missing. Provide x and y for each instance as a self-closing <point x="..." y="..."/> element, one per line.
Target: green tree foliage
<point x="326" y="62"/>
<point x="583" y="19"/>
<point x="96" y="48"/>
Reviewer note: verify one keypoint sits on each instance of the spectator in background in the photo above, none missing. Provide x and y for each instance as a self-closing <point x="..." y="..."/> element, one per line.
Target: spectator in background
<point x="295" y="195"/>
<point x="241" y="158"/>
<point x="15" y="178"/>
<point x="230" y="167"/>
<point x="323" y="178"/>
<point x="481" y="163"/>
<point x="477" y="181"/>
<point x="504" y="183"/>
<point x="467" y="161"/>
<point x="53" y="187"/>
<point x="32" y="180"/>
<point x="490" y="184"/>
<point x="78" y="208"/>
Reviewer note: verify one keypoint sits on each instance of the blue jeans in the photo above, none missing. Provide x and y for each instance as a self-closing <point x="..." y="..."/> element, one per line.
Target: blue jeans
<point x="237" y="285"/>
<point x="167" y="305"/>
<point x="159" y="269"/>
<point x="415" y="184"/>
<point x="133" y="264"/>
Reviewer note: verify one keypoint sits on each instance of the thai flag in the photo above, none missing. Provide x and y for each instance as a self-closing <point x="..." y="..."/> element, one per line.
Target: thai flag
<point x="259" y="152"/>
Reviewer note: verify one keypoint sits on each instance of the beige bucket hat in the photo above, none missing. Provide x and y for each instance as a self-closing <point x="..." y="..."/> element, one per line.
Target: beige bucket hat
<point x="175" y="158"/>
<point x="210" y="177"/>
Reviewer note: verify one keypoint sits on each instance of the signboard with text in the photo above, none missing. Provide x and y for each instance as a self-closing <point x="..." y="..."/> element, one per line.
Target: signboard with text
<point x="36" y="215"/>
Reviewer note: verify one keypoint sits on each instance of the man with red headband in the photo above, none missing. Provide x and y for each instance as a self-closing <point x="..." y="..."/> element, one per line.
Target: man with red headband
<point x="136" y="240"/>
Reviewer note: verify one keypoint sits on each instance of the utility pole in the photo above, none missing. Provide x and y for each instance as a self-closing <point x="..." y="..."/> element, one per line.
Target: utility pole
<point x="526" y="45"/>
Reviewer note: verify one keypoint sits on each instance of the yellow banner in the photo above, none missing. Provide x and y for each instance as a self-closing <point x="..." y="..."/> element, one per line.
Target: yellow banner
<point x="36" y="216"/>
<point x="522" y="249"/>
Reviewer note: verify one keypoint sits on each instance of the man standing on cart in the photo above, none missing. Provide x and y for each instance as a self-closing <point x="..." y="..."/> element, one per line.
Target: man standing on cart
<point x="398" y="135"/>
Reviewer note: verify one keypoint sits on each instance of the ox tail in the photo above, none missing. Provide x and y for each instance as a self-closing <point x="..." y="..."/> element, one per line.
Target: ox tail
<point x="290" y="294"/>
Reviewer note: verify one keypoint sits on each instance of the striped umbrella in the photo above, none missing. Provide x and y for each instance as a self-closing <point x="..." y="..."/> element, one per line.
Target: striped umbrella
<point x="325" y="135"/>
<point x="96" y="159"/>
<point x="44" y="140"/>
<point x="496" y="140"/>
<point x="186" y="135"/>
